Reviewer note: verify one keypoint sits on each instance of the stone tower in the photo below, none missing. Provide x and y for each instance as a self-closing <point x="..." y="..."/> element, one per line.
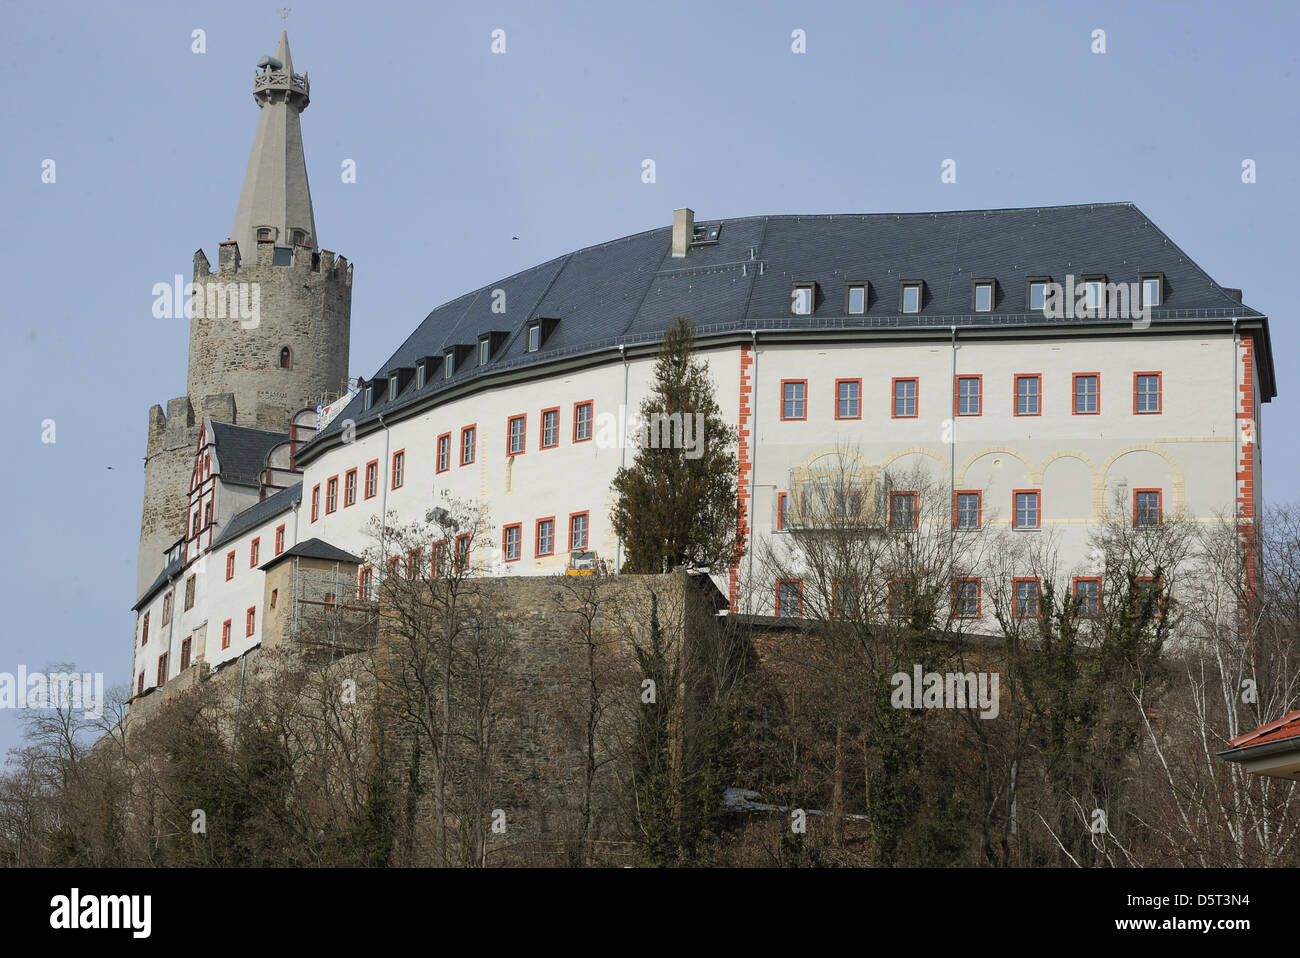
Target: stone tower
<point x="270" y="328"/>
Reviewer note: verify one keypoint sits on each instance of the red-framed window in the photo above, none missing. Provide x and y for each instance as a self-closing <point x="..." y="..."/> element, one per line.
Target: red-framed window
<point x="394" y="566"/>
<point x="789" y="598"/>
<point x="968" y="396"/>
<point x="399" y="468"/>
<point x="904" y="397"/>
<point x="967" y="598"/>
<point x="468" y="439"/>
<point x="225" y="634"/>
<point x="1029" y="394"/>
<point x="144" y="630"/>
<point x="848" y="399"/>
<point x="461" y="559"/>
<point x="579" y="530"/>
<point x="444" y="453"/>
<point x="846" y="599"/>
<point x="782" y="510"/>
<point x="366" y="582"/>
<point x="139" y="688"/>
<point x="903" y="511"/>
<point x="1147" y="510"/>
<point x="315" y="502"/>
<point x="162" y="668"/>
<point x="331" y="494"/>
<point x="1087" y="589"/>
<point x="584" y="417"/>
<point x="413" y="557"/>
<point x="1085" y="391"/>
<point x="516" y="435"/>
<point x="1148" y="398"/>
<point x="372" y="478"/>
<point x="230" y="566"/>
<point x="254" y="552"/>
<point x="512" y="542"/>
<point x="185" y="652"/>
<point x="544" y="538"/>
<point x="1026" y="603"/>
<point x="550" y="428"/>
<point x="1026" y="509"/>
<point x="190" y="585"/>
<point x="350" y="488"/>
<point x="794" y="399"/>
<point x="250" y="621"/>
<point x="967" y="509"/>
<point x="279" y="539"/>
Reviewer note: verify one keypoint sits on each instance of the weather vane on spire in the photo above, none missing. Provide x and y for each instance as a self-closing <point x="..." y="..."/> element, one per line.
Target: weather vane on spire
<point x="284" y="13"/>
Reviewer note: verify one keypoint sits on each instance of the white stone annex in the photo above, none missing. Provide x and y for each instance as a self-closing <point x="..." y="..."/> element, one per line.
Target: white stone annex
<point x="925" y="343"/>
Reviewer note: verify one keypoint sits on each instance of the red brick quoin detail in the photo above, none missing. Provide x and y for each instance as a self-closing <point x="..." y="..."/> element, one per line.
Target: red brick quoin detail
<point x="745" y="466"/>
<point x="1246" y="427"/>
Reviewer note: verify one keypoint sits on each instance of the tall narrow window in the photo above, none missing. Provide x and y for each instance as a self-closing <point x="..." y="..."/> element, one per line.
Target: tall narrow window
<point x="462" y="553"/>
<point x="902" y="511"/>
<point x="484" y="351"/>
<point x="1028" y="388"/>
<point x="966" y="510"/>
<point x="911" y="297"/>
<point x="582" y="417"/>
<point x="331" y="494"/>
<point x="279" y="539"/>
<point x="392" y="388"/>
<point x="399" y="468"/>
<point x="444" y="452"/>
<point x="794" y="399"/>
<point x="782" y="510"/>
<point x="905" y="399"/>
<point x="144" y="631"/>
<point x="1037" y="294"/>
<point x="230" y="566"/>
<point x="286" y="358"/>
<point x="857" y="299"/>
<point x="550" y="428"/>
<point x="1025" y="602"/>
<point x="534" y="338"/>
<point x="448" y="365"/>
<point x="1027" y="515"/>
<point x="365" y="589"/>
<point x="1152" y="291"/>
<point x="1087" y="394"/>
<point x="510" y="540"/>
<point x="966" y="598"/>
<point x="225" y="634"/>
<point x="968" y="399"/>
<point x="250" y="622"/>
<point x="255" y="552"/>
<point x="372" y="478"/>
<point x="189" y="591"/>
<point x="801" y="300"/>
<point x="162" y="668"/>
<point x="315" y="503"/>
<point x="983" y="299"/>
<point x="185" y="652"/>
<point x="545" y="537"/>
<point x="578" y="531"/>
<point x="419" y="375"/>
<point x="1146" y="508"/>
<point x="516" y="443"/>
<point x="350" y="488"/>
<point x="848" y="399"/>
<point x="167" y="599"/>
<point x="467" y="445"/>
<point x="1146" y="393"/>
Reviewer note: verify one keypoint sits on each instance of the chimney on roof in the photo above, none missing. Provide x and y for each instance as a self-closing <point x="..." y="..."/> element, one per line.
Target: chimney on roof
<point x="683" y="230"/>
<point x="1234" y="293"/>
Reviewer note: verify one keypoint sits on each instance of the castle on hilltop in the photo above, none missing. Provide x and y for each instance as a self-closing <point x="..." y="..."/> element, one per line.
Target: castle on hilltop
<point x="1032" y="365"/>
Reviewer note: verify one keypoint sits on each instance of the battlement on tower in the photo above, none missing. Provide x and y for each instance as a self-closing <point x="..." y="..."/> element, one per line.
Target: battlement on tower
<point x="303" y="257"/>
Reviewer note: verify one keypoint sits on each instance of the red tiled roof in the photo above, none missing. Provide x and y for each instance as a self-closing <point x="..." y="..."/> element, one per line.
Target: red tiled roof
<point x="1288" y="726"/>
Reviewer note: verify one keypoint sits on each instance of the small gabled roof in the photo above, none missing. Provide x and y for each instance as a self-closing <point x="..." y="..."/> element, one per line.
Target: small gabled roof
<point x="241" y="451"/>
<point x="313" y="549"/>
<point x="259" y="512"/>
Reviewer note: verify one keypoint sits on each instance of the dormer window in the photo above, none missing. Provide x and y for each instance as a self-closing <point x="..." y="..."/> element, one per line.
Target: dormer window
<point x="911" y="296"/>
<point x="419" y="375"/>
<point x="1153" y="290"/>
<point x="484" y="351"/>
<point x="855" y="300"/>
<point x="802" y="299"/>
<point x="982" y="296"/>
<point x="392" y="387"/>
<point x="448" y="365"/>
<point x="534" y="337"/>
<point x="705" y="234"/>
<point x="1094" y="292"/>
<point x="368" y="397"/>
<point x="1036" y="292"/>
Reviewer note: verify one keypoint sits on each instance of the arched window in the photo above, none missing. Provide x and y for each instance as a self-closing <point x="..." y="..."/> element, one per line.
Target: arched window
<point x="299" y="237"/>
<point x="286" y="358"/>
<point x="265" y="233"/>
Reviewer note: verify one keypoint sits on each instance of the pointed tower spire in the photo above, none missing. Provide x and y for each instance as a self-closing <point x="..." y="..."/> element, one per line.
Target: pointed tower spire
<point x="275" y="201"/>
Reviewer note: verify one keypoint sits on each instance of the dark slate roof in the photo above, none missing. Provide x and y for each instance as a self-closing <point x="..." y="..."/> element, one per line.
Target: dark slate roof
<point x="258" y="513"/>
<point x="241" y="451"/>
<point x="314" y="549"/>
<point x="629" y="290"/>
<point x="170" y="572"/>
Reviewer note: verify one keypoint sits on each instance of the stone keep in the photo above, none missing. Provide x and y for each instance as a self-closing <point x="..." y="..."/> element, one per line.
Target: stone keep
<point x="271" y="326"/>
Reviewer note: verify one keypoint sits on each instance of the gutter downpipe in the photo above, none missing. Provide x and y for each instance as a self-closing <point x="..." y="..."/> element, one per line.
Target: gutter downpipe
<point x="753" y="459"/>
<point x="383" y="506"/>
<point x="952" y="455"/>
<point x="622" y="452"/>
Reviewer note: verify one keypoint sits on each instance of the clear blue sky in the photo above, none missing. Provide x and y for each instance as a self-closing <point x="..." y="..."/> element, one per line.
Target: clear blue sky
<point x="458" y="150"/>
